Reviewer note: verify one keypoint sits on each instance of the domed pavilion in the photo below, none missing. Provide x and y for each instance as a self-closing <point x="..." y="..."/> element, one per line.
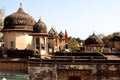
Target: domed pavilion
<point x="40" y="38"/>
<point x="93" y="44"/>
<point x="16" y="30"/>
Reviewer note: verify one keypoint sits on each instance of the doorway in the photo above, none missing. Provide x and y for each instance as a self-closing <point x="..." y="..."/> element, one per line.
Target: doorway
<point x="74" y="78"/>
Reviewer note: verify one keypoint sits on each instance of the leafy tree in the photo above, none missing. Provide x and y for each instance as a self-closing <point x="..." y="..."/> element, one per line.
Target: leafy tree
<point x="73" y="44"/>
<point x="106" y="40"/>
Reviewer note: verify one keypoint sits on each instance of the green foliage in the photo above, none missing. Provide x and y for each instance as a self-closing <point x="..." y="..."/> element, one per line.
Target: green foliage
<point x="106" y="40"/>
<point x="73" y="44"/>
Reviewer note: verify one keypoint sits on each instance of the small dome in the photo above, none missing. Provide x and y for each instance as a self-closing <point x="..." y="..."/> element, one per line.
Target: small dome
<point x="19" y="18"/>
<point x="52" y="33"/>
<point x="93" y="39"/>
<point x="61" y="35"/>
<point x="40" y="27"/>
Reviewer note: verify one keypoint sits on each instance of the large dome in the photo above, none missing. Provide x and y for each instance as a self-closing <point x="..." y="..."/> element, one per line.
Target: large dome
<point x="40" y="27"/>
<point x="93" y="39"/>
<point x="19" y="20"/>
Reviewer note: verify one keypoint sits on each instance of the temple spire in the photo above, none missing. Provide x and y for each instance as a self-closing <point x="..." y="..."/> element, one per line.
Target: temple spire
<point x="20" y="10"/>
<point x="20" y="5"/>
<point x="66" y="37"/>
<point x="93" y="32"/>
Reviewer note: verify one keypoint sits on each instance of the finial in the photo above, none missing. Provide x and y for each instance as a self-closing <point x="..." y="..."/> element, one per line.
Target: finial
<point x="40" y="18"/>
<point x="20" y="5"/>
<point x="93" y="32"/>
<point x="52" y="26"/>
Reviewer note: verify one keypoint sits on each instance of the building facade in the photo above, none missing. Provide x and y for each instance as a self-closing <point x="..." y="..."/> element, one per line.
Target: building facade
<point x="30" y="49"/>
<point x="21" y="31"/>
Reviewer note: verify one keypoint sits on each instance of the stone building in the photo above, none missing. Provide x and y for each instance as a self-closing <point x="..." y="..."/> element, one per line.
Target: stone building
<point x="40" y="39"/>
<point x="92" y="64"/>
<point x="76" y="66"/>
<point x="21" y="31"/>
<point x="17" y="28"/>
<point x="24" y="38"/>
<point x="93" y="44"/>
<point x="32" y="53"/>
<point x="115" y="42"/>
<point x="56" y="41"/>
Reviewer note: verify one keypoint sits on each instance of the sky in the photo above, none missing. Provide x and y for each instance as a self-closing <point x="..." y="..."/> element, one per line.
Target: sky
<point x="80" y="18"/>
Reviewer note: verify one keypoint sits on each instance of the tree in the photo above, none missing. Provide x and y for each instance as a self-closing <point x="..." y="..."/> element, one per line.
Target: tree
<point x="2" y="11"/>
<point x="73" y="44"/>
<point x="106" y="40"/>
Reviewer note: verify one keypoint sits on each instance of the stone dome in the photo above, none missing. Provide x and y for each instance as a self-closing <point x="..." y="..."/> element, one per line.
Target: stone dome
<point x="19" y="20"/>
<point x="93" y="39"/>
<point x="52" y="33"/>
<point x="61" y="35"/>
<point x="40" y="27"/>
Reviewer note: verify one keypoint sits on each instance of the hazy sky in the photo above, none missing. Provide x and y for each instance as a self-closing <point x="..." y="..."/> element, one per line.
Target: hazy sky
<point x="79" y="17"/>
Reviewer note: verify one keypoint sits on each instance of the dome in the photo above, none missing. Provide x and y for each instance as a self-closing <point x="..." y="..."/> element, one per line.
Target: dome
<point x="115" y="38"/>
<point x="19" y="20"/>
<point x="61" y="35"/>
<point x="52" y="33"/>
<point x="93" y="39"/>
<point x="40" y="27"/>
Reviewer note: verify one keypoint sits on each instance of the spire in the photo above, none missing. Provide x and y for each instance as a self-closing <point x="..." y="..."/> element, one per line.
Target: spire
<point x="20" y="10"/>
<point x="66" y="37"/>
<point x="39" y="19"/>
<point x="93" y="32"/>
<point x="20" y="5"/>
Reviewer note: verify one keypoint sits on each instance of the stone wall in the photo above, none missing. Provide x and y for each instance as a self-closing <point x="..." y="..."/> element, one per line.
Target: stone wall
<point x="42" y="72"/>
<point x="13" y="67"/>
<point x="105" y="71"/>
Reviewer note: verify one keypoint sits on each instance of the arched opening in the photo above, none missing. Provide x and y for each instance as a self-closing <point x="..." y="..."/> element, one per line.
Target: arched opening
<point x="37" y="43"/>
<point x="74" y="78"/>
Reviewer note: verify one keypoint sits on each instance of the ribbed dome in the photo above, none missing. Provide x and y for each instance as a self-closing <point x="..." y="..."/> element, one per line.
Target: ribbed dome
<point x="19" y="20"/>
<point x="40" y="27"/>
<point x="61" y="35"/>
<point x="93" y="39"/>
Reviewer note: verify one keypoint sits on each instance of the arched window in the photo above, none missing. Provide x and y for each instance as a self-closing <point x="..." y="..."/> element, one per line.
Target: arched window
<point x="43" y="43"/>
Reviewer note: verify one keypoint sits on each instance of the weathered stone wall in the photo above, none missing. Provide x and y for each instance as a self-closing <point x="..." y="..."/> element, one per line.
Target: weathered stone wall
<point x="68" y="74"/>
<point x="13" y="67"/>
<point x="85" y="71"/>
<point x="43" y="72"/>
